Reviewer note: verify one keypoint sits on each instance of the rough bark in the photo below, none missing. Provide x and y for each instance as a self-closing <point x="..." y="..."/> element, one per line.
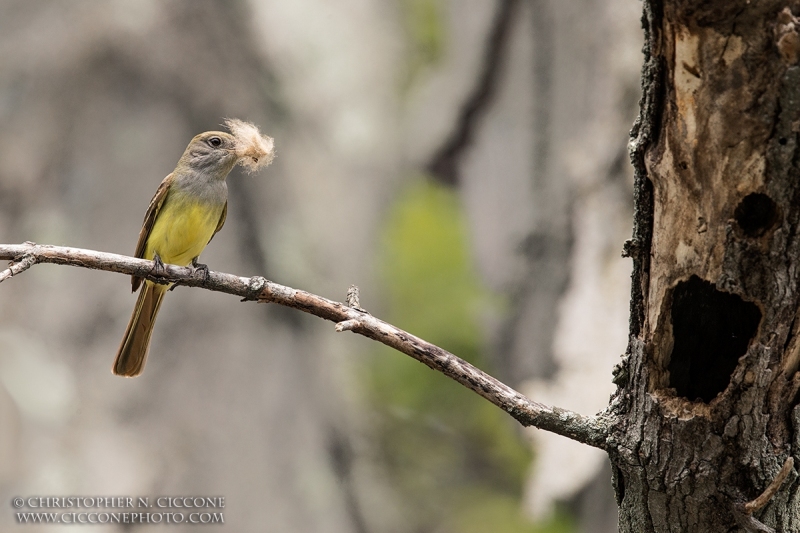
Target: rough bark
<point x="708" y="391"/>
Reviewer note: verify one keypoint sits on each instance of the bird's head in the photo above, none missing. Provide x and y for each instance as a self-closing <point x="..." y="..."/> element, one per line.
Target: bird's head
<point x="218" y="152"/>
<point x="211" y="151"/>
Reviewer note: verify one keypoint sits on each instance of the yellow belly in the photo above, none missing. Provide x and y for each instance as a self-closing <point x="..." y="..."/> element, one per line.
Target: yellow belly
<point x="182" y="230"/>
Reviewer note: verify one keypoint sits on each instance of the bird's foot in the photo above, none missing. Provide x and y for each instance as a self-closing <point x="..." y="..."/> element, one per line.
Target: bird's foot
<point x="199" y="267"/>
<point x="158" y="266"/>
<point x="159" y="269"/>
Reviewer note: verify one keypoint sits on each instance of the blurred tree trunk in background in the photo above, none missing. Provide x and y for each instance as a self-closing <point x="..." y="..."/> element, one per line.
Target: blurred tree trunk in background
<point x="570" y="291"/>
<point x="98" y="101"/>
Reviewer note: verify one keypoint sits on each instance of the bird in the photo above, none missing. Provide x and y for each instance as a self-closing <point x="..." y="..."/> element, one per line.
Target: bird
<point x="187" y="210"/>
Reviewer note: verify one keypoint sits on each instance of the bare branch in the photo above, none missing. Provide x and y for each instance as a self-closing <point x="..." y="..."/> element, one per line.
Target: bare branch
<point x="591" y="430"/>
<point x="772" y="488"/>
<point x="17" y="267"/>
<point x="743" y="513"/>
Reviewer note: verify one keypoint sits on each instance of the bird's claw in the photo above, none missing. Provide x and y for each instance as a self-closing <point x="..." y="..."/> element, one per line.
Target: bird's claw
<point x="158" y="266"/>
<point x="200" y="267"/>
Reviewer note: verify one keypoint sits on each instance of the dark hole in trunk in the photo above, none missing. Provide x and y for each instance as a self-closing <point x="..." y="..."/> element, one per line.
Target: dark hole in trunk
<point x="711" y="330"/>
<point x="756" y="214"/>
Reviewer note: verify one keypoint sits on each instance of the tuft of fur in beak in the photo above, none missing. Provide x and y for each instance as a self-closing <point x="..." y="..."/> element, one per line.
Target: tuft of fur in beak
<point x="255" y="150"/>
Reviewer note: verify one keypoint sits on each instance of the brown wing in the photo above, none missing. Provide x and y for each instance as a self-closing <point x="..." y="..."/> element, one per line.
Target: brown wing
<point x="221" y="222"/>
<point x="149" y="220"/>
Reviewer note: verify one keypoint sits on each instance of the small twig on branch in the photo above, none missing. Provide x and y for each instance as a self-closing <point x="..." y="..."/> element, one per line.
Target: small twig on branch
<point x="347" y="325"/>
<point x="757" y="504"/>
<point x="352" y="296"/>
<point x="591" y="430"/>
<point x="352" y="299"/>
<point x="744" y="512"/>
<point x="18" y="267"/>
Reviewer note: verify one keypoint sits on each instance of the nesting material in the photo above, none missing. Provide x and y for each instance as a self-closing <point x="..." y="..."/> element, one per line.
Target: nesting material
<point x="255" y="150"/>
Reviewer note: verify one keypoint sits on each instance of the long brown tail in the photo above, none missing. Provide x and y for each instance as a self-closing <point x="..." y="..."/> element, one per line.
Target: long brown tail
<point x="132" y="353"/>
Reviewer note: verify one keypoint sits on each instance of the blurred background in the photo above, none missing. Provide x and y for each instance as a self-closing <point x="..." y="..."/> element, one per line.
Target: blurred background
<point x="463" y="162"/>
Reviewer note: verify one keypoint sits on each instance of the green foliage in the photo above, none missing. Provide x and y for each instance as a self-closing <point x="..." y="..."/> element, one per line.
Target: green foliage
<point x="425" y="29"/>
<point x="431" y="283"/>
<point x="450" y="453"/>
<point x="485" y="511"/>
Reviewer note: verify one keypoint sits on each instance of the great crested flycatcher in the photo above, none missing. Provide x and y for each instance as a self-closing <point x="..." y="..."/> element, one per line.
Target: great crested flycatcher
<point x="188" y="209"/>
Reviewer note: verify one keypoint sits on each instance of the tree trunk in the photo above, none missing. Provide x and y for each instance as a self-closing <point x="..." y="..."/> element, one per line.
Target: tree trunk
<point x="709" y="387"/>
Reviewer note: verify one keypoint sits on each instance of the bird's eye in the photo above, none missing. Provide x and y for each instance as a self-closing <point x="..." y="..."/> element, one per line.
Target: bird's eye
<point x="215" y="142"/>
